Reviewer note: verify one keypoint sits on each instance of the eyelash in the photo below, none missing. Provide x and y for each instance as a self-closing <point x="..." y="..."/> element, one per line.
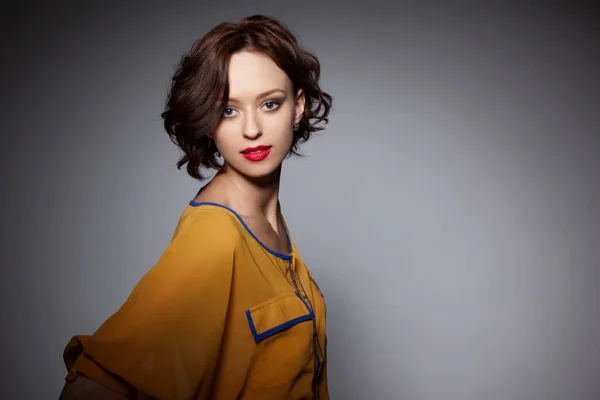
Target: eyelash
<point x="277" y="104"/>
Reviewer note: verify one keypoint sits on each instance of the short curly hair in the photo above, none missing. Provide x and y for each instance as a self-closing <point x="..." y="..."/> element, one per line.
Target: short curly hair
<point x="199" y="89"/>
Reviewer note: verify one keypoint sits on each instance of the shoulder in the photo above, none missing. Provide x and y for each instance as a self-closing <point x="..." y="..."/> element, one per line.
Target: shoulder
<point x="208" y="226"/>
<point x="202" y="251"/>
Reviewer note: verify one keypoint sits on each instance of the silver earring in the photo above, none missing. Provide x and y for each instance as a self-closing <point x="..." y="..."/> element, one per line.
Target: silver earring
<point x="296" y="126"/>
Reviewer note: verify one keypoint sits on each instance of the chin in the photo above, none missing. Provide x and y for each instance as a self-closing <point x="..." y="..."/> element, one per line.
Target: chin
<point x="261" y="172"/>
<point x="258" y="171"/>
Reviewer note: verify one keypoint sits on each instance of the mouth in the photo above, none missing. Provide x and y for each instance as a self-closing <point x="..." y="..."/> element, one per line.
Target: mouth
<point x="256" y="149"/>
<point x="257" y="153"/>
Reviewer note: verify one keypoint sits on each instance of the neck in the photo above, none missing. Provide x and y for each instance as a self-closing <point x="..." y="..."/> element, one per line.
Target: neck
<point x="251" y="197"/>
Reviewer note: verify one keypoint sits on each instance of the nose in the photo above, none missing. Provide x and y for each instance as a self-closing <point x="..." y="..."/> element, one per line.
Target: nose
<point x="251" y="128"/>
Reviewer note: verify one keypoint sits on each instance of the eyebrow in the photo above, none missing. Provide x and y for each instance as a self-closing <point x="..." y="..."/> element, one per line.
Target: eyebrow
<point x="263" y="94"/>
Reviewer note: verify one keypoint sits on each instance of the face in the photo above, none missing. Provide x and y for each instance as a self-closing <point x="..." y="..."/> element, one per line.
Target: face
<point x="256" y="130"/>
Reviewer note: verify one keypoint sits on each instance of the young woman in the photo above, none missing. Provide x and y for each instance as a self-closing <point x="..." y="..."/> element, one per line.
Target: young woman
<point x="230" y="311"/>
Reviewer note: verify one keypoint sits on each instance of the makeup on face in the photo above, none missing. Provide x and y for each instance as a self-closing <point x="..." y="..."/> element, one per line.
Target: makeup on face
<point x="257" y="153"/>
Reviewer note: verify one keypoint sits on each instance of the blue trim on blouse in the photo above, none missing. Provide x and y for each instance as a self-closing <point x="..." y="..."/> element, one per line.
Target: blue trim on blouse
<point x="285" y="257"/>
<point x="313" y="281"/>
<point x="288" y="324"/>
<point x="311" y="308"/>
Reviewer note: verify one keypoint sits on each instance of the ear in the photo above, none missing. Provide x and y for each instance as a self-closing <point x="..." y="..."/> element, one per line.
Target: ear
<point x="299" y="106"/>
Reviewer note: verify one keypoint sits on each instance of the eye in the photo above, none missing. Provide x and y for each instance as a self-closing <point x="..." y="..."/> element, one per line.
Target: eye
<point x="228" y="112"/>
<point x="272" y="105"/>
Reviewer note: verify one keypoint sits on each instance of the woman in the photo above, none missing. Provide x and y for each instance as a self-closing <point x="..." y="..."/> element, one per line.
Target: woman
<point x="229" y="310"/>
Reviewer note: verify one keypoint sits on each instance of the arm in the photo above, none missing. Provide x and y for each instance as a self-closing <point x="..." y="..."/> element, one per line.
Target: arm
<point x="165" y="340"/>
<point x="83" y="388"/>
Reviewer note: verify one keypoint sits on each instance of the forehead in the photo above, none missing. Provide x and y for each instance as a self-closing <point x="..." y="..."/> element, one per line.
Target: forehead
<point x="252" y="73"/>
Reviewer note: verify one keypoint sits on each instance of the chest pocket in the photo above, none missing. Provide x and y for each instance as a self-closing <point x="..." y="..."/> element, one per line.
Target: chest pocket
<point x="277" y="314"/>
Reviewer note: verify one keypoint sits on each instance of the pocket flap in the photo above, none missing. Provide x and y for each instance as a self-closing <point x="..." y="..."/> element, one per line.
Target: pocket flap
<point x="277" y="314"/>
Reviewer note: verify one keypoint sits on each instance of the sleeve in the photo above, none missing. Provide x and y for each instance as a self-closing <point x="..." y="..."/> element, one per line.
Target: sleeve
<point x="165" y="339"/>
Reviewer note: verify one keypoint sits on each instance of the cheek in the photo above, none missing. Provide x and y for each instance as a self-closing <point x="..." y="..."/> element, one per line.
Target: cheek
<point x="282" y="125"/>
<point x="283" y="133"/>
<point x="225" y="135"/>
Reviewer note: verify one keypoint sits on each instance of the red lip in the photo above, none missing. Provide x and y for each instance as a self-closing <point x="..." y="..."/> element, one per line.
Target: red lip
<point x="257" y="148"/>
<point x="257" y="153"/>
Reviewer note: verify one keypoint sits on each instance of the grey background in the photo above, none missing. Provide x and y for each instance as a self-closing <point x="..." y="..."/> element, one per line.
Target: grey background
<point x="450" y="211"/>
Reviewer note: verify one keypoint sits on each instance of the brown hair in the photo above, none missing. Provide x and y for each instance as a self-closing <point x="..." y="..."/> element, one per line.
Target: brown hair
<point x="199" y="89"/>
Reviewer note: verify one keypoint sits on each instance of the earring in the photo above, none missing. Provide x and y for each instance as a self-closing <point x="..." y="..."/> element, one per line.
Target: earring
<point x="210" y="143"/>
<point x="296" y="126"/>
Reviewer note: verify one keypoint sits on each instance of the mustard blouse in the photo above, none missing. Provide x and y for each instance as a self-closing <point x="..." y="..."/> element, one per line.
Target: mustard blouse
<point x="220" y="316"/>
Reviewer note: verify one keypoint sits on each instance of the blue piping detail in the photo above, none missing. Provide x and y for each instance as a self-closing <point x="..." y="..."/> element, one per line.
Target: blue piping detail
<point x="305" y="305"/>
<point x="288" y="324"/>
<point x="313" y="281"/>
<point x="307" y="298"/>
<point x="292" y="275"/>
<point x="273" y="252"/>
<point x="317" y="335"/>
<point x="319" y="344"/>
